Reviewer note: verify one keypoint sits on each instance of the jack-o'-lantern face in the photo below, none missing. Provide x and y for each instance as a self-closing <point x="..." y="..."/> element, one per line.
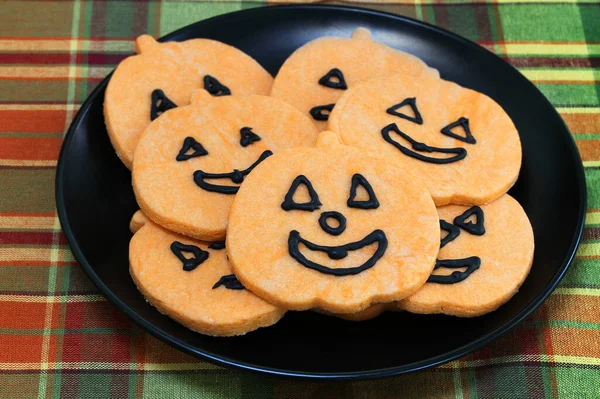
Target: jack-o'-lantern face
<point x="460" y="142"/>
<point x="162" y="76"/>
<point x="316" y="75"/>
<point x="334" y="223"/>
<point x="190" y="162"/>
<point x="333" y="229"/>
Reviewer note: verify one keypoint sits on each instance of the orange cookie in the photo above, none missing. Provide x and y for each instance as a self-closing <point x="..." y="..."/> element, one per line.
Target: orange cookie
<point x="192" y="282"/>
<point x="485" y="257"/>
<point x="461" y="142"/>
<point x="318" y="73"/>
<point x="331" y="228"/>
<point x="137" y="221"/>
<point x="163" y="75"/>
<point x="190" y="162"/>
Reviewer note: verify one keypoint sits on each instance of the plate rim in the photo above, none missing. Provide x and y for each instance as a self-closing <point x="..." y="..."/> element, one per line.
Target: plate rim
<point x="339" y="376"/>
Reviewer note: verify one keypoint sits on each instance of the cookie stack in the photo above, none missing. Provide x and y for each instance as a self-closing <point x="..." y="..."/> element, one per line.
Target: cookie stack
<point x="356" y="181"/>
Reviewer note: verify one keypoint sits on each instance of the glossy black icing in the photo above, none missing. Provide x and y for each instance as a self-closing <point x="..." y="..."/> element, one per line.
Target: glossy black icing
<point x="189" y="264"/>
<point x="421" y="147"/>
<point x="335" y="231"/>
<point x="190" y="143"/>
<point x="247" y="136"/>
<point x="464" y="123"/>
<point x="214" y="87"/>
<point x="318" y="113"/>
<point x="476" y="228"/>
<point x="412" y="103"/>
<point x="371" y="203"/>
<point x="452" y="230"/>
<point x="338" y="252"/>
<point x="289" y="204"/>
<point x="237" y="177"/>
<point x="160" y="103"/>
<point x="472" y="263"/>
<point x="334" y="79"/>
<point x="230" y="282"/>
<point x="217" y="245"/>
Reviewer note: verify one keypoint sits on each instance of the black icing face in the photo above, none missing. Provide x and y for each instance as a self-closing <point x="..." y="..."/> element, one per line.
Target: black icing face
<point x="471" y="263"/>
<point x="191" y="148"/>
<point x="192" y="256"/>
<point x="396" y="137"/>
<point x="334" y="223"/>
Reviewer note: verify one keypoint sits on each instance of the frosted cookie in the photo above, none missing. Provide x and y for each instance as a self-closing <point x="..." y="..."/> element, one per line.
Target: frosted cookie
<point x="191" y="161"/>
<point x="192" y="282"/>
<point x="331" y="228"/>
<point x="486" y="255"/>
<point x="460" y="142"/>
<point x="318" y="73"/>
<point x="163" y="75"/>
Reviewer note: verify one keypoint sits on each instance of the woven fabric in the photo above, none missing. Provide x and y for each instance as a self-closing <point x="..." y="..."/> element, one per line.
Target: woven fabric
<point x="60" y="338"/>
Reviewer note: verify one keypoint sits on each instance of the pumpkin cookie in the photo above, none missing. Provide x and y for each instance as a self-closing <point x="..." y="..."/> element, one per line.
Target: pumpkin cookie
<point x="460" y="142"/>
<point x="137" y="221"/>
<point x="331" y="228"/>
<point x="190" y="162"/>
<point x="163" y="75"/>
<point x="485" y="257"/>
<point x="192" y="282"/>
<point x="318" y="73"/>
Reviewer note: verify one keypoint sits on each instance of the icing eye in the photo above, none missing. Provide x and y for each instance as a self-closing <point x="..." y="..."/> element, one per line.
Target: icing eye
<point x="248" y="136"/>
<point x="412" y="103"/>
<point x="190" y="143"/>
<point x="214" y="87"/>
<point x="476" y="228"/>
<point x="189" y="264"/>
<point x="371" y="202"/>
<point x="230" y="282"/>
<point x="160" y="103"/>
<point x="321" y="112"/>
<point x="217" y="245"/>
<point x="334" y="79"/>
<point x="464" y="123"/>
<point x="311" y="205"/>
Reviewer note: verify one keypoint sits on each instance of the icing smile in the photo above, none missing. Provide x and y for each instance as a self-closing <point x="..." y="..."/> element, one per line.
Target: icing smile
<point x="338" y="252"/>
<point x="237" y="177"/>
<point x="420" y="148"/>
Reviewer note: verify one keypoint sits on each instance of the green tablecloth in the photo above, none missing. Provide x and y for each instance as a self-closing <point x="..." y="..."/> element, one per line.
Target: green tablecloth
<point x="60" y="338"/>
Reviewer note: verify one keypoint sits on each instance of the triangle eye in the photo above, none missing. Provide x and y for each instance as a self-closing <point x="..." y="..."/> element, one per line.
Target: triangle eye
<point x="410" y="102"/>
<point x="214" y="87"/>
<point x="189" y="264"/>
<point x="452" y="231"/>
<point x="248" y="136"/>
<point x="464" y="123"/>
<point x="289" y="204"/>
<point x="160" y="103"/>
<point x="476" y="228"/>
<point x="321" y="112"/>
<point x="370" y="203"/>
<point x="334" y="79"/>
<point x="190" y="144"/>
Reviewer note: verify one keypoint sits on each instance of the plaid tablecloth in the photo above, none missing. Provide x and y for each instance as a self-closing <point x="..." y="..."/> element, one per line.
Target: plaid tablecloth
<point x="60" y="338"/>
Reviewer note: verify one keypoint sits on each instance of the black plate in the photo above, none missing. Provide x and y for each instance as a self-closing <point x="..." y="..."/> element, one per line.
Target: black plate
<point x="95" y="203"/>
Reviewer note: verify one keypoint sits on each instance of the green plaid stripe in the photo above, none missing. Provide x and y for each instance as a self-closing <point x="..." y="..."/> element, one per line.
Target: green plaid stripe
<point x="60" y="339"/>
